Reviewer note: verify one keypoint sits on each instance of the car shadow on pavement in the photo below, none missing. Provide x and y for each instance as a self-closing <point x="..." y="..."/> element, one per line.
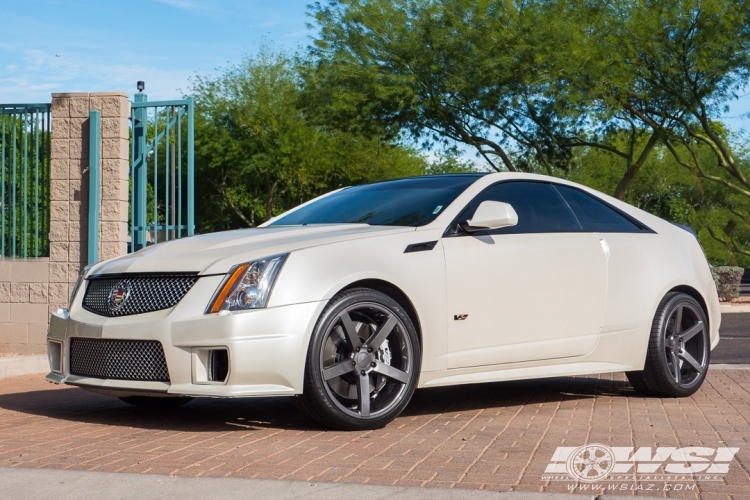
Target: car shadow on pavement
<point x="514" y="393"/>
<point x="247" y="414"/>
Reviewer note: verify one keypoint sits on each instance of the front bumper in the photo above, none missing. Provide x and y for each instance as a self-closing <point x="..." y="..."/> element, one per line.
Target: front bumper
<point x="267" y="347"/>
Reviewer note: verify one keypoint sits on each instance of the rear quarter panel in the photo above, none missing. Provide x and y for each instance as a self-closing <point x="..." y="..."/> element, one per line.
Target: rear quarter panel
<point x="642" y="269"/>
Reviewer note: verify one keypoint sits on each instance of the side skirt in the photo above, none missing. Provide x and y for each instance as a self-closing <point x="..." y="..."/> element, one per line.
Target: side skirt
<point x="450" y="377"/>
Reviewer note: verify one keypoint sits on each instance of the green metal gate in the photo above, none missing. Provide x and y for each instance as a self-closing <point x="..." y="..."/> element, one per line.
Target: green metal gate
<point x="162" y="191"/>
<point x="24" y="180"/>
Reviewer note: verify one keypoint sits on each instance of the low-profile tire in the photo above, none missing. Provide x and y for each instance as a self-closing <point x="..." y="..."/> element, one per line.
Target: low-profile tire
<point x="362" y="363"/>
<point x="155" y="402"/>
<point x="679" y="350"/>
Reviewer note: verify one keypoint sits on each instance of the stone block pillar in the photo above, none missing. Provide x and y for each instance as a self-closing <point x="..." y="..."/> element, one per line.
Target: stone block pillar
<point x="115" y="153"/>
<point x="70" y="183"/>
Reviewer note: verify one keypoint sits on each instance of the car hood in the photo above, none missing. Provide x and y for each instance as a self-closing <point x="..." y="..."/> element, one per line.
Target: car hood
<point x="216" y="253"/>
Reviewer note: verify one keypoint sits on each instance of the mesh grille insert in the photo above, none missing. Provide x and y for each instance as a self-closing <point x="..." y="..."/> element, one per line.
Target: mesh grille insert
<point x="141" y="360"/>
<point x="136" y="294"/>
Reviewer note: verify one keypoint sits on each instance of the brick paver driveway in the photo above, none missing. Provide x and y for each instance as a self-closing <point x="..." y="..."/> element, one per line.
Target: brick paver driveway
<point x="496" y="436"/>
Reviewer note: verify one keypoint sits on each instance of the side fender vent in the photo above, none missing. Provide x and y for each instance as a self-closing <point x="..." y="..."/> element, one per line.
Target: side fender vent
<point x="420" y="247"/>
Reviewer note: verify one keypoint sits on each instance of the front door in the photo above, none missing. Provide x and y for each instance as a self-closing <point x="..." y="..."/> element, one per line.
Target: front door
<point x="530" y="292"/>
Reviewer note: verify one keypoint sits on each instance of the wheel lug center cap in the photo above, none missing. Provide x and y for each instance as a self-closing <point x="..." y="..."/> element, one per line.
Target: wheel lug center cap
<point x="363" y="360"/>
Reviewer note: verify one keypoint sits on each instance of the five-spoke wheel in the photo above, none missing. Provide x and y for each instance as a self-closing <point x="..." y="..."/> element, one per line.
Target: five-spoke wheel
<point x="679" y="349"/>
<point x="363" y="362"/>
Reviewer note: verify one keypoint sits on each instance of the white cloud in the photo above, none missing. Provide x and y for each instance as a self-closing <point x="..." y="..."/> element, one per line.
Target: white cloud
<point x="42" y="73"/>
<point x="201" y="7"/>
<point x="181" y="4"/>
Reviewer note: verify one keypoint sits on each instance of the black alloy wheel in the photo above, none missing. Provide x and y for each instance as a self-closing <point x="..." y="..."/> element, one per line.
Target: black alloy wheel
<point x="679" y="349"/>
<point x="363" y="362"/>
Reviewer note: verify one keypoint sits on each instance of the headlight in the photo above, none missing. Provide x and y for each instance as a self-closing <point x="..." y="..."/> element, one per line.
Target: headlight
<point x="248" y="286"/>
<point x="78" y="284"/>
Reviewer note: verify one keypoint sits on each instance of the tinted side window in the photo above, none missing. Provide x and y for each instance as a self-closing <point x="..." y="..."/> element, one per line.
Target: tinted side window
<point x="595" y="215"/>
<point x="540" y="209"/>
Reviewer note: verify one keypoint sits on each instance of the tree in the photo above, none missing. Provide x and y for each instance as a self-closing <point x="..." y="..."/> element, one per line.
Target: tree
<point x="676" y="66"/>
<point x="688" y="59"/>
<point x="528" y="83"/>
<point x="464" y="71"/>
<point x="522" y="83"/>
<point x="258" y="152"/>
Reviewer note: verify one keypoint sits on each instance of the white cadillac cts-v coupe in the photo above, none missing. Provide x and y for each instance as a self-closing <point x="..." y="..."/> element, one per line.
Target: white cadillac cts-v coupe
<point x="353" y="300"/>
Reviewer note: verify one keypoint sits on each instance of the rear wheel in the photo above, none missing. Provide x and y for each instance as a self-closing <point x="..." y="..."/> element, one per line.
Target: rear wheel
<point x="363" y="362"/>
<point x="156" y="402"/>
<point x="678" y="351"/>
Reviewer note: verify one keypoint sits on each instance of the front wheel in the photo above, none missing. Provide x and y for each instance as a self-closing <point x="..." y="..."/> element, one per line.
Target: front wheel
<point x="363" y="362"/>
<point x="678" y="351"/>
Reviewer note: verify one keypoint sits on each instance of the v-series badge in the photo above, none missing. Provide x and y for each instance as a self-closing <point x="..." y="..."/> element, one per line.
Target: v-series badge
<point x="460" y="317"/>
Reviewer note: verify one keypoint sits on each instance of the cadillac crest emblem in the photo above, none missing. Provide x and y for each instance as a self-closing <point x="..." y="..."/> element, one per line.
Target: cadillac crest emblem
<point x="118" y="296"/>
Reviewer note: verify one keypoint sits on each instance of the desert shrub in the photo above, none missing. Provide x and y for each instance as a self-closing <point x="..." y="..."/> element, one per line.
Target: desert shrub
<point x="727" y="279"/>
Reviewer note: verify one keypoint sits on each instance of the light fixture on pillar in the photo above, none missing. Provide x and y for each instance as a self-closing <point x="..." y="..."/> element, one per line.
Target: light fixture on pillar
<point x="141" y="86"/>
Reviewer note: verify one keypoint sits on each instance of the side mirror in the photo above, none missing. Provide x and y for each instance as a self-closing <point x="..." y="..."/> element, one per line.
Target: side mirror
<point x="491" y="215"/>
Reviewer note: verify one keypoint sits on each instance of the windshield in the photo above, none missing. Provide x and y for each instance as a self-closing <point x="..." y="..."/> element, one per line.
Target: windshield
<point x="404" y="202"/>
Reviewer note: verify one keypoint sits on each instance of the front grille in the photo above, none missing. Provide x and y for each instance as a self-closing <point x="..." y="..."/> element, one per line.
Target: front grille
<point x="141" y="360"/>
<point x="135" y="294"/>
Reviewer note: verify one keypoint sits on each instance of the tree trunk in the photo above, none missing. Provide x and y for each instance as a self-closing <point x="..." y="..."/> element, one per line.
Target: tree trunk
<point x="622" y="187"/>
<point x="269" y="200"/>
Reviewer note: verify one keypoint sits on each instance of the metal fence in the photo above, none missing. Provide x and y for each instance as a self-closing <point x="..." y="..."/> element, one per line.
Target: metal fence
<point x="24" y="180"/>
<point x="161" y="172"/>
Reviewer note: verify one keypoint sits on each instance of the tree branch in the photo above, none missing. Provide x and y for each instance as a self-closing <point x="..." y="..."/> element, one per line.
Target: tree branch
<point x="222" y="189"/>
<point x="699" y="172"/>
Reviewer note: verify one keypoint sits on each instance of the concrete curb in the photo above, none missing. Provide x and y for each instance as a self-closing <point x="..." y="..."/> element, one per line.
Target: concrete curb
<point x="722" y="366"/>
<point x="735" y="309"/>
<point x="16" y="366"/>
<point x="67" y="484"/>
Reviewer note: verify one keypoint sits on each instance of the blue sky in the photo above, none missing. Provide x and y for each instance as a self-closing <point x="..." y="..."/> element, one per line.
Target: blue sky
<point x="100" y="45"/>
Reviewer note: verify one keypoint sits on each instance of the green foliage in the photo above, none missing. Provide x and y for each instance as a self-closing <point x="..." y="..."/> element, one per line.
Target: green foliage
<point x="450" y="162"/>
<point x="727" y="281"/>
<point x="679" y="63"/>
<point x="452" y="71"/>
<point x="524" y="83"/>
<point x="257" y="154"/>
<point x="25" y="174"/>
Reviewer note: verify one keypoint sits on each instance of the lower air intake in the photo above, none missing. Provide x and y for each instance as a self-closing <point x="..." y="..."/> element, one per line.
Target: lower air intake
<point x="141" y="360"/>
